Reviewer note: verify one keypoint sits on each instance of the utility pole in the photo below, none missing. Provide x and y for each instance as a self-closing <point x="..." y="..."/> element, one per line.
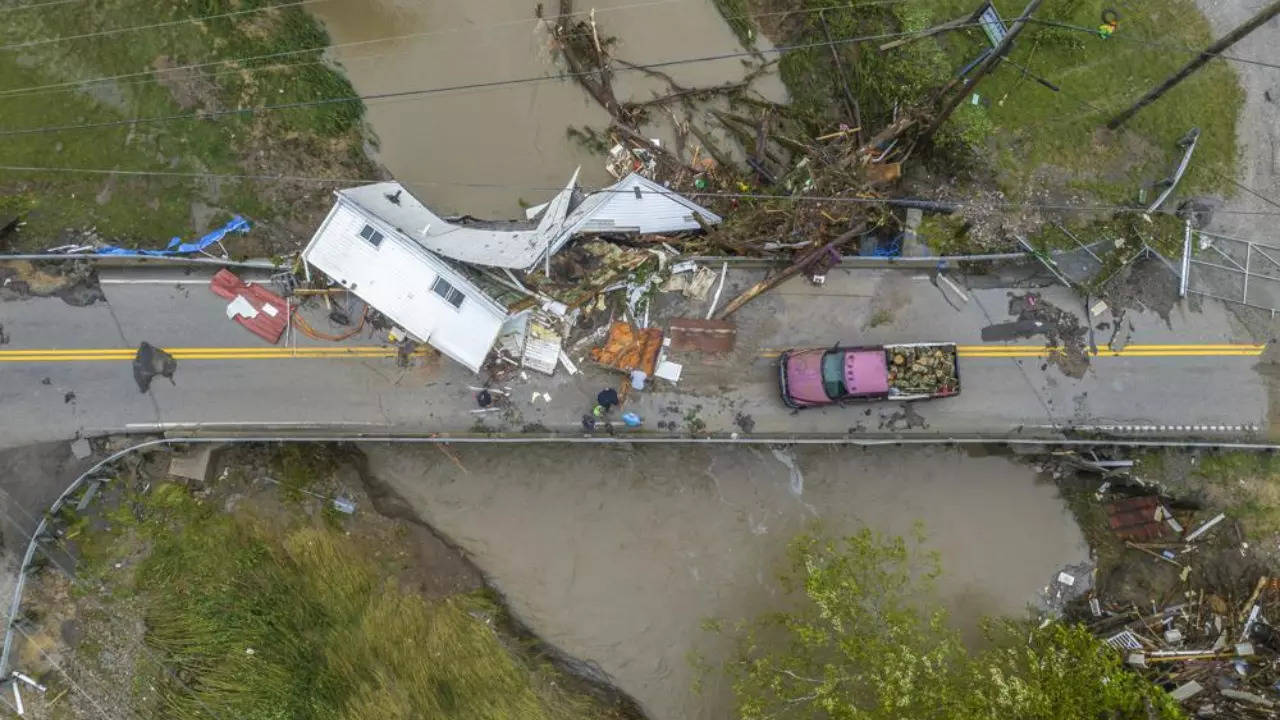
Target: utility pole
<point x="1208" y="54"/>
<point x="985" y="66"/>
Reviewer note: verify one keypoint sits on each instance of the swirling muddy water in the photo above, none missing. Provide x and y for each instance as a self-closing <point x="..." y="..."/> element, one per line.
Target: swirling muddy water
<point x="482" y="151"/>
<point x="617" y="554"/>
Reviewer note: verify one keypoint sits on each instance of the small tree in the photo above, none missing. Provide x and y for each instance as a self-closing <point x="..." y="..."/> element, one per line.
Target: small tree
<point x="863" y="639"/>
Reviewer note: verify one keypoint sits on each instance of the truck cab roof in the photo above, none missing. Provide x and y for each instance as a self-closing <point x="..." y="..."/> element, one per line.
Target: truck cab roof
<point x="860" y="372"/>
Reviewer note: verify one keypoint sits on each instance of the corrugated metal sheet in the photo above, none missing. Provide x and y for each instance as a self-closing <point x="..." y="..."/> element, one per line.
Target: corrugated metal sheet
<point x="633" y="204"/>
<point x="396" y="277"/>
<point x="517" y="248"/>
<point x="653" y="209"/>
<point x="1137" y="518"/>
<point x="269" y="312"/>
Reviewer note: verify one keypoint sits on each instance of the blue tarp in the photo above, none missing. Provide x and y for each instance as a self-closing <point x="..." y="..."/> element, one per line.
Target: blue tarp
<point x="177" y="247"/>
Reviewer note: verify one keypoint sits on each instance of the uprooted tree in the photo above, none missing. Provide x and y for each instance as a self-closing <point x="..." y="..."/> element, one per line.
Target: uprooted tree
<point x="863" y="641"/>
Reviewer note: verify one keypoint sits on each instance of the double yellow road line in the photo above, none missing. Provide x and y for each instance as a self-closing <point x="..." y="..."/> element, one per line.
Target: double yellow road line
<point x="376" y="351"/>
<point x="1040" y="351"/>
<point x="208" y="353"/>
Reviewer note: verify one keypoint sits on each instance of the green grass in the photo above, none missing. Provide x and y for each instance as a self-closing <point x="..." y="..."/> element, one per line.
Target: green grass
<point x="1246" y="485"/>
<point x="147" y="211"/>
<point x="1035" y="138"/>
<point x="295" y="621"/>
<point x="1036" y="128"/>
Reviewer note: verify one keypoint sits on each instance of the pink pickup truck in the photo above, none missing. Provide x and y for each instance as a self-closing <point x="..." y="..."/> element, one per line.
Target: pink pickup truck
<point x="826" y="376"/>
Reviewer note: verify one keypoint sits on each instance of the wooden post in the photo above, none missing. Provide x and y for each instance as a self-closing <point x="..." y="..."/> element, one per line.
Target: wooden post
<point x="985" y="67"/>
<point x="1205" y="56"/>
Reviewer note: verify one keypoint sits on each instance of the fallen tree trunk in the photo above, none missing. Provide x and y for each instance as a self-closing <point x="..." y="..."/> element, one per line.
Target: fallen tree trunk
<point x="794" y="269"/>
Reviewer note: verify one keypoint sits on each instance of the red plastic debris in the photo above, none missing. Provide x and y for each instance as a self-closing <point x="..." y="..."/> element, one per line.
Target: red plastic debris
<point x="264" y="313"/>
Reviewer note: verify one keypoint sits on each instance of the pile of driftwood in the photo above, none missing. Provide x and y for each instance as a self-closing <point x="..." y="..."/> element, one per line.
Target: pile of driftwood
<point x="775" y="155"/>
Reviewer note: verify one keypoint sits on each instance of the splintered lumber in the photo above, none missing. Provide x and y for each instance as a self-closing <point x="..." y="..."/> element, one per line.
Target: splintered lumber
<point x="794" y="269"/>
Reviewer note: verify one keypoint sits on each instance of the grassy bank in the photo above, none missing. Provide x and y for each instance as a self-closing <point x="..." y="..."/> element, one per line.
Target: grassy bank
<point x="286" y="609"/>
<point x="1029" y="141"/>
<point x="48" y="84"/>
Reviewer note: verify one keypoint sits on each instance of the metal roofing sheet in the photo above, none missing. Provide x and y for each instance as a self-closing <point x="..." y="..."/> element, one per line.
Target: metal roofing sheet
<point x="633" y="204"/>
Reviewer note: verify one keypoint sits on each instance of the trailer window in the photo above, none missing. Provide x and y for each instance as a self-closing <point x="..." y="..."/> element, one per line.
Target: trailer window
<point x="833" y="374"/>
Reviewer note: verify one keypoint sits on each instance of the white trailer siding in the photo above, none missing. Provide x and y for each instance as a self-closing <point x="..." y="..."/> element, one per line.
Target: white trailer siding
<point x="395" y="277"/>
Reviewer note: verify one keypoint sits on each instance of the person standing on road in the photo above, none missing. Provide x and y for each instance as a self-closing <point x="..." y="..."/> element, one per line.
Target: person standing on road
<point x="605" y="400"/>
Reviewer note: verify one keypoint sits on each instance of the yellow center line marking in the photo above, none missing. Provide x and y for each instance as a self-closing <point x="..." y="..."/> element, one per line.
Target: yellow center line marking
<point x="201" y="353"/>
<point x="36" y="355"/>
<point x="1040" y="351"/>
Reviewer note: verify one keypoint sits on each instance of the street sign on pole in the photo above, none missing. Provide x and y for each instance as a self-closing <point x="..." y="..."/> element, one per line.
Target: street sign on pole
<point x="992" y="25"/>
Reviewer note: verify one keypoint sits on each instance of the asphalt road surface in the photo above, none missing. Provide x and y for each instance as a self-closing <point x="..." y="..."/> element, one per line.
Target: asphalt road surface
<point x="67" y="371"/>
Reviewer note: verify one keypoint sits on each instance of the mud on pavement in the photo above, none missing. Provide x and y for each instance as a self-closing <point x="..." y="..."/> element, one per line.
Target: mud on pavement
<point x="76" y="283"/>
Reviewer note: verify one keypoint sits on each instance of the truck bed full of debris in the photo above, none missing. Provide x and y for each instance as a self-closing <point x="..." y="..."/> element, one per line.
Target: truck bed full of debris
<point x="922" y="369"/>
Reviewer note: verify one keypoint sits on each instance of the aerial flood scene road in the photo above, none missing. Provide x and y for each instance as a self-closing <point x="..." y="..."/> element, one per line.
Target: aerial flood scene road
<point x="653" y="360"/>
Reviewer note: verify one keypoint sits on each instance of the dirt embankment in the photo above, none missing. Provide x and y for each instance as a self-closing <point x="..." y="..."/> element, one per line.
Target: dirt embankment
<point x="106" y="620"/>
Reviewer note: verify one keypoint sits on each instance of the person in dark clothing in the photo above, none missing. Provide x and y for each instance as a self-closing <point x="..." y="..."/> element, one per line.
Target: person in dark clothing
<point x="607" y="399"/>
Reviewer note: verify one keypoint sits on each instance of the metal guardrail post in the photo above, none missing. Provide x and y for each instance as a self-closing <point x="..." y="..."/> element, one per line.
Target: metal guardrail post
<point x="1186" y="260"/>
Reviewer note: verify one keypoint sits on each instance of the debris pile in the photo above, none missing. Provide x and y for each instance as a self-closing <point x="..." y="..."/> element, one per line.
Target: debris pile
<point x="922" y="369"/>
<point x="1208" y="638"/>
<point x="1217" y="657"/>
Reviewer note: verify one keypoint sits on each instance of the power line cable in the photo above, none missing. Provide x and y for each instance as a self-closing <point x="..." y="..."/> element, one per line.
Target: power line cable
<point x="154" y="26"/>
<point x="557" y="188"/>
<point x="334" y="46"/>
<point x="1129" y="38"/>
<point x="419" y="35"/>
<point x="36" y="6"/>
<point x="209" y="115"/>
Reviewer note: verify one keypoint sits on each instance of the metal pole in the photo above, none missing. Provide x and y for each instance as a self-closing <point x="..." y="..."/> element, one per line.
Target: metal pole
<point x="1205" y="56"/>
<point x="1000" y="50"/>
<point x="1186" y="260"/>
<point x="1248" y="255"/>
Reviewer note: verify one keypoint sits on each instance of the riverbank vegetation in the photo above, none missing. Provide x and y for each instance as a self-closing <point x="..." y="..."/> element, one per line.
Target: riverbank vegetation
<point x="75" y="65"/>
<point x="865" y="640"/>
<point x="1034" y="131"/>
<point x="259" y="599"/>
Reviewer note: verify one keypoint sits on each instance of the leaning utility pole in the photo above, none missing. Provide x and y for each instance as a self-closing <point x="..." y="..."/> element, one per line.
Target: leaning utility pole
<point x="985" y="67"/>
<point x="1208" y="54"/>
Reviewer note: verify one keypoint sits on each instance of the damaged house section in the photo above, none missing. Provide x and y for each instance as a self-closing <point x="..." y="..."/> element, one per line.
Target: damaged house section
<point x="386" y="247"/>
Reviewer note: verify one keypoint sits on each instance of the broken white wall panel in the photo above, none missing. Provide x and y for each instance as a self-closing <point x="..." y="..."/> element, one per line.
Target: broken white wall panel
<point x="541" y="347"/>
<point x="396" y="276"/>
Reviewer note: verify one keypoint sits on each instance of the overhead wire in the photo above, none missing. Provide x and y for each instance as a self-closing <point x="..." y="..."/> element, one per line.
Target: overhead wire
<point x="36" y="6"/>
<point x="1153" y="43"/>
<point x="214" y="114"/>
<point x="557" y="188"/>
<point x="420" y="35"/>
<point x="156" y="26"/>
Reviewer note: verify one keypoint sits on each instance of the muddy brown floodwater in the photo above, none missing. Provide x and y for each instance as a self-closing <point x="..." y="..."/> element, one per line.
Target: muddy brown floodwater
<point x="482" y="151"/>
<point x="617" y="554"/>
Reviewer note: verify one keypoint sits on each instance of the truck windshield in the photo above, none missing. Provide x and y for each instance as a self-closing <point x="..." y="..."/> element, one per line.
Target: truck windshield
<point x="833" y="374"/>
